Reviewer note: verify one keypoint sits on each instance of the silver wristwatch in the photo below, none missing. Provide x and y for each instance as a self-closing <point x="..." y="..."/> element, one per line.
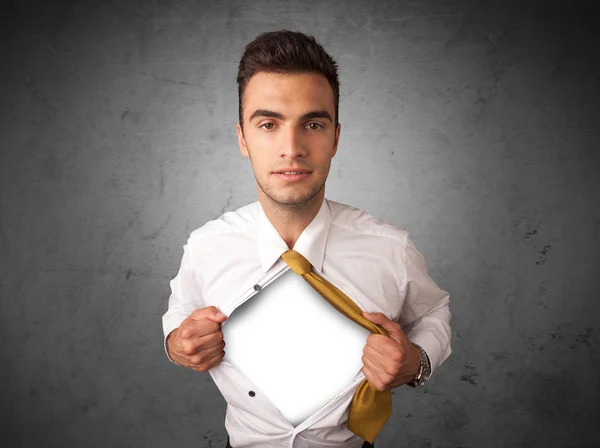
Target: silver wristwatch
<point x="424" y="369"/>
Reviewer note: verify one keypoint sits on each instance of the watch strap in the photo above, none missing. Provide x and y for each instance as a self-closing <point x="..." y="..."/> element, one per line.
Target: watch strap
<point x="424" y="368"/>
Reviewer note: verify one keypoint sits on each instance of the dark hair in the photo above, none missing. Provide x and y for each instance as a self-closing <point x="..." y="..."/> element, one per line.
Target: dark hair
<point x="286" y="51"/>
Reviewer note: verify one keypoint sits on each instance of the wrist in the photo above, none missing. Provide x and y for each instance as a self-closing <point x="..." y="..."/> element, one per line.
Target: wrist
<point x="169" y="342"/>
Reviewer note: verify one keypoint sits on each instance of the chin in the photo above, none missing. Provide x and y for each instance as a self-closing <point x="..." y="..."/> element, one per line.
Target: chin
<point x="290" y="195"/>
<point x="296" y="199"/>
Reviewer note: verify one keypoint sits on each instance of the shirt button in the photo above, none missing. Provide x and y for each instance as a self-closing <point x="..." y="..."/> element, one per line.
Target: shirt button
<point x="257" y="287"/>
<point x="251" y="393"/>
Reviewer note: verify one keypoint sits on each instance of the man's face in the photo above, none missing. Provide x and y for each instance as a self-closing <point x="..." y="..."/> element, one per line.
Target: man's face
<point x="280" y="133"/>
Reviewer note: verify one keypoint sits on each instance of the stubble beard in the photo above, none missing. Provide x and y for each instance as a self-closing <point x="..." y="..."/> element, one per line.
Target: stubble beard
<point x="293" y="203"/>
<point x="290" y="204"/>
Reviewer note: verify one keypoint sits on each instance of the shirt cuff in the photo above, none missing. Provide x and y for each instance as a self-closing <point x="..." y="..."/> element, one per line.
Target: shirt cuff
<point x="431" y="345"/>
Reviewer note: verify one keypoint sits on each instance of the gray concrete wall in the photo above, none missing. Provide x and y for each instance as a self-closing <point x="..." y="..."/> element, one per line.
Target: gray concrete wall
<point x="474" y="125"/>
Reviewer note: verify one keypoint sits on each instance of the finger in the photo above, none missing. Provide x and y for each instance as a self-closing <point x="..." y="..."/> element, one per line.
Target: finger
<point x="378" y="343"/>
<point x="374" y="359"/>
<point x="377" y="339"/>
<point x="368" y="363"/>
<point x="193" y="345"/>
<point x="194" y="329"/>
<point x="373" y="378"/>
<point x="201" y="334"/>
<point x="215" y="349"/>
<point x="379" y="367"/>
<point x="212" y="362"/>
<point x="204" y="356"/>
<point x="209" y="365"/>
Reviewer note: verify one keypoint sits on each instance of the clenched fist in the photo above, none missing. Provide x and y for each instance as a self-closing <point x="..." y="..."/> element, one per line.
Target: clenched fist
<point x="198" y="342"/>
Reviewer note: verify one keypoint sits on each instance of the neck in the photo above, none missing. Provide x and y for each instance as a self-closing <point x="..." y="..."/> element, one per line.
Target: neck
<point x="290" y="220"/>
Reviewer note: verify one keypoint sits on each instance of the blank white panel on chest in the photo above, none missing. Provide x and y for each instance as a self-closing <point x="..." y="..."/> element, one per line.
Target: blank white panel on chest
<point x="298" y="350"/>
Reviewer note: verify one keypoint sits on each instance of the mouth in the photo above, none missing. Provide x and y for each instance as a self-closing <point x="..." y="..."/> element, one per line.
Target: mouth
<point x="292" y="175"/>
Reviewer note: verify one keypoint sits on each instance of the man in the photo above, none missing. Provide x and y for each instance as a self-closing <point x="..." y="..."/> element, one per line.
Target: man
<point x="288" y="123"/>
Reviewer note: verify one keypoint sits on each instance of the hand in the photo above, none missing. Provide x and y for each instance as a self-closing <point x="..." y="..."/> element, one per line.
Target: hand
<point x="389" y="362"/>
<point x="198" y="342"/>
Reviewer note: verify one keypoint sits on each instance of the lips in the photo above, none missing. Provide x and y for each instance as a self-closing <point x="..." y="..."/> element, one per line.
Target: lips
<point x="292" y="170"/>
<point x="292" y="177"/>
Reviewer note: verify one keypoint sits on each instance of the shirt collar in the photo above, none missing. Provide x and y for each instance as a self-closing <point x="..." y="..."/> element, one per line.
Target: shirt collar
<point x="311" y="243"/>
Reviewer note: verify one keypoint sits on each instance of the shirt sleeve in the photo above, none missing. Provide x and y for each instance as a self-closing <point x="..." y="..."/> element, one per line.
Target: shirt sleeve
<point x="185" y="296"/>
<point x="425" y="316"/>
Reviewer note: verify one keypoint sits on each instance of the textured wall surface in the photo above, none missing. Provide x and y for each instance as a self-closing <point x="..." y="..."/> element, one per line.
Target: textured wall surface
<point x="473" y="124"/>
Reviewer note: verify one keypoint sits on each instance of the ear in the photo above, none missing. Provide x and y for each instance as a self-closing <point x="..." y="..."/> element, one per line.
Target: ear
<point x="242" y="141"/>
<point x="337" y="139"/>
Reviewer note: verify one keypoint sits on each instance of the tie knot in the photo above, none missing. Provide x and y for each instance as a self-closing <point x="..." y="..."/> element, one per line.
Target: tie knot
<point x="297" y="262"/>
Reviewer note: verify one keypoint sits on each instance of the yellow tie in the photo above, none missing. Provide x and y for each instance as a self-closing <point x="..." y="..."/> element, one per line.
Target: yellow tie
<point x="370" y="408"/>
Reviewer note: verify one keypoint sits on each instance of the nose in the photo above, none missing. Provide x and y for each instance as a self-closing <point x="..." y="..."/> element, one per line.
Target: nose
<point x="292" y="144"/>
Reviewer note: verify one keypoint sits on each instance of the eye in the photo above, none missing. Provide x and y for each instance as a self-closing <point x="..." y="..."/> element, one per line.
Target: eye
<point x="265" y="124"/>
<point x="320" y="126"/>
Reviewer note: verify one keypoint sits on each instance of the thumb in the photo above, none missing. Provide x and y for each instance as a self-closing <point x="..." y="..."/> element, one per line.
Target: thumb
<point x="393" y="328"/>
<point x="217" y="316"/>
<point x="375" y="317"/>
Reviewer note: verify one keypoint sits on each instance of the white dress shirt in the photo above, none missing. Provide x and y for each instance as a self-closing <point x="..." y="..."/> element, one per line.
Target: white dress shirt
<point x="230" y="259"/>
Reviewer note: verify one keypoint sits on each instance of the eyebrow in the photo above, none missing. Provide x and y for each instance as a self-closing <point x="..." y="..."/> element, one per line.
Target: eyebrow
<point x="272" y="114"/>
